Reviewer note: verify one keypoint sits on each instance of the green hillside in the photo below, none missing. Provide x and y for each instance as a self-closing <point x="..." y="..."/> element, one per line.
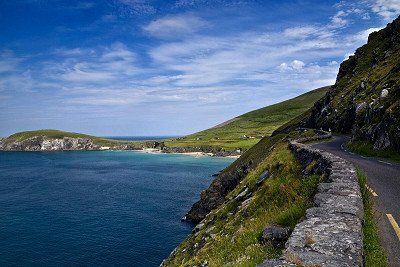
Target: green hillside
<point x="246" y="130"/>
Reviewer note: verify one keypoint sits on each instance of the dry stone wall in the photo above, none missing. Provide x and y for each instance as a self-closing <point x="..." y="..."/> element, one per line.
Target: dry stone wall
<point x="331" y="233"/>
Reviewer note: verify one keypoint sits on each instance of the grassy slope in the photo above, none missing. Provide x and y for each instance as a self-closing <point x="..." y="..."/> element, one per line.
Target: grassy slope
<point x="257" y="123"/>
<point x="233" y="240"/>
<point x="54" y="134"/>
<point x="366" y="148"/>
<point x="374" y="254"/>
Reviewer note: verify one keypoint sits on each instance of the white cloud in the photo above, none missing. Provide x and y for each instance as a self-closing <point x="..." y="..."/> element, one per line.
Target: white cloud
<point x="207" y="61"/>
<point x="347" y="55"/>
<point x="388" y="9"/>
<point x="173" y="26"/>
<point x="363" y="35"/>
<point x="339" y="20"/>
<point x="300" y="32"/>
<point x="87" y="65"/>
<point x="297" y="64"/>
<point x="283" y="67"/>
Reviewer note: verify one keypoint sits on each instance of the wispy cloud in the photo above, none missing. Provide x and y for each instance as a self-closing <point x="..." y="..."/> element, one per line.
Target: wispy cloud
<point x="199" y="68"/>
<point x="175" y="26"/>
<point x="388" y="9"/>
<point x="8" y="61"/>
<point x="156" y="63"/>
<point x="137" y="7"/>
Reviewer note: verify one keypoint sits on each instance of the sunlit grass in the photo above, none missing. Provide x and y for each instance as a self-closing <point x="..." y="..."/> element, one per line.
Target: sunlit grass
<point x="234" y="240"/>
<point x="374" y="255"/>
<point x="365" y="148"/>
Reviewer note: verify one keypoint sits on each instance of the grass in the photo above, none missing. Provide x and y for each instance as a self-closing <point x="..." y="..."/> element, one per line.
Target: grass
<point x="365" y="148"/>
<point x="246" y="130"/>
<point x="231" y="233"/>
<point x="374" y="255"/>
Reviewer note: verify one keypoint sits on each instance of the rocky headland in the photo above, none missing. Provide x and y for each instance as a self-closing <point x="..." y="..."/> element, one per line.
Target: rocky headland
<point x="42" y="143"/>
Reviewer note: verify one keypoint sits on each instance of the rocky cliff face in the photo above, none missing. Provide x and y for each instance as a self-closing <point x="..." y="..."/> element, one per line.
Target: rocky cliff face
<point x="42" y="143"/>
<point x="365" y="100"/>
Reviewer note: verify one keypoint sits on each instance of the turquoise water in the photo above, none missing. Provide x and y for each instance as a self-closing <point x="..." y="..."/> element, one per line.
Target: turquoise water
<point x="97" y="208"/>
<point x="140" y="138"/>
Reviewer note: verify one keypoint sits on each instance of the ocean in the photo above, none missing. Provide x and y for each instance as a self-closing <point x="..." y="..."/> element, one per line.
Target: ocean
<point x="97" y="208"/>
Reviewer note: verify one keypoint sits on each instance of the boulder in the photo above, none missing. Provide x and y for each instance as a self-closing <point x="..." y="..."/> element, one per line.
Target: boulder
<point x="242" y="194"/>
<point x="262" y="177"/>
<point x="198" y="227"/>
<point x="276" y="263"/>
<point x="360" y="107"/>
<point x="275" y="234"/>
<point x="384" y="93"/>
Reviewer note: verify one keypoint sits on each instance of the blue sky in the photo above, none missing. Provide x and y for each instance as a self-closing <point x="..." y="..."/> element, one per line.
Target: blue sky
<point x="147" y="67"/>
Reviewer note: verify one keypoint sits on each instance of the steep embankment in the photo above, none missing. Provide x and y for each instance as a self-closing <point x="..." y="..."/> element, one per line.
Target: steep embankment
<point x="268" y="118"/>
<point x="246" y="130"/>
<point x="365" y="100"/>
<point x="274" y="193"/>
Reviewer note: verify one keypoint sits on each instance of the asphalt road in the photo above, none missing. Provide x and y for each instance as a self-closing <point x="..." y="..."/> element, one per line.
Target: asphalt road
<point x="384" y="182"/>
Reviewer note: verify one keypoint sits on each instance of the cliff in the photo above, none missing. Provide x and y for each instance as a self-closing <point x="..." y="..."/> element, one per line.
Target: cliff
<point x="365" y="100"/>
<point x="42" y="143"/>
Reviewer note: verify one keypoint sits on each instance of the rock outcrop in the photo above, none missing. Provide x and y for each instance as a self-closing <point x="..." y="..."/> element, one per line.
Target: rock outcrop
<point x="365" y="100"/>
<point x="215" y="194"/>
<point x="42" y="143"/>
<point x="228" y="179"/>
<point x="331" y="234"/>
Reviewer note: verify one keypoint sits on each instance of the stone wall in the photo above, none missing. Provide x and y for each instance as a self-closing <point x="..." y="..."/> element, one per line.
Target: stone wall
<point x="331" y="233"/>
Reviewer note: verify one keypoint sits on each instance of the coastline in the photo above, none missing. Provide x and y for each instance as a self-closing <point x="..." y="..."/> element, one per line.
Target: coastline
<point x="43" y="143"/>
<point x="143" y="150"/>
<point x="194" y="154"/>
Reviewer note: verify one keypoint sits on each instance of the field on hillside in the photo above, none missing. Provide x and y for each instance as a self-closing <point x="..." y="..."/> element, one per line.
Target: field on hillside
<point x="246" y="130"/>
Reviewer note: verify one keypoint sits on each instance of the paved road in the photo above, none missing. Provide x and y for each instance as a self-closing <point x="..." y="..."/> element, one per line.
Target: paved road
<point x="384" y="182"/>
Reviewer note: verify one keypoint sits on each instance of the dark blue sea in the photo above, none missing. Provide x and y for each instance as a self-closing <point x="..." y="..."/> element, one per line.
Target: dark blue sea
<point x="97" y="208"/>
